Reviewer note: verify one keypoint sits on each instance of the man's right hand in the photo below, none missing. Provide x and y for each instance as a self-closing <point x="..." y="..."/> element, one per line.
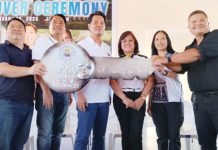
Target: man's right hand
<point x="81" y="102"/>
<point x="37" y="69"/>
<point x="47" y="99"/>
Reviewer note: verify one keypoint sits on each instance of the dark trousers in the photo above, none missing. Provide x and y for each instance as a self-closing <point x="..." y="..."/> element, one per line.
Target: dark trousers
<point x="206" y="119"/>
<point x="131" y="122"/>
<point x="168" y="118"/>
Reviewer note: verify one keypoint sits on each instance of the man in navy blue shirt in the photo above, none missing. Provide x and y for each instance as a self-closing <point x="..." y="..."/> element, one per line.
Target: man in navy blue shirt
<point x="200" y="60"/>
<point x="16" y="87"/>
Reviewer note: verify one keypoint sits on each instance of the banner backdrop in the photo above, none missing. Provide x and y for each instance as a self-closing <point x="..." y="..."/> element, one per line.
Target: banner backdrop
<point x="38" y="12"/>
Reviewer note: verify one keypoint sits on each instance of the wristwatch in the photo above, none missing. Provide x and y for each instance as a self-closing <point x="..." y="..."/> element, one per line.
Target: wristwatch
<point x="164" y="73"/>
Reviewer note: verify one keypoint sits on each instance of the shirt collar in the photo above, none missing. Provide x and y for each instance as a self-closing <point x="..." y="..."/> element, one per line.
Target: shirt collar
<point x="194" y="41"/>
<point x="9" y="43"/>
<point x="52" y="39"/>
<point x="90" y="39"/>
<point x="129" y="56"/>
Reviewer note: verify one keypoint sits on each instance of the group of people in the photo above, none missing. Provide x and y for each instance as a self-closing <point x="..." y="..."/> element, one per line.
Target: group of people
<point x="19" y="67"/>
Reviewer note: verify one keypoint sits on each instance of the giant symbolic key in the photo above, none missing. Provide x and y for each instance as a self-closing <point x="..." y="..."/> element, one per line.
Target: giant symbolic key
<point x="69" y="67"/>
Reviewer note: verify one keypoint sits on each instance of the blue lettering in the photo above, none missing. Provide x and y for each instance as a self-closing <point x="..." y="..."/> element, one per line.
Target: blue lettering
<point x="6" y="8"/>
<point x="94" y="7"/>
<point x="85" y="9"/>
<point x="63" y="8"/>
<point x="46" y="8"/>
<point x="74" y="8"/>
<point x="104" y="7"/>
<point x="54" y="8"/>
<point x="14" y="8"/>
<point x="0" y="7"/>
<point x="24" y="8"/>
<point x="71" y="8"/>
<point x="37" y="8"/>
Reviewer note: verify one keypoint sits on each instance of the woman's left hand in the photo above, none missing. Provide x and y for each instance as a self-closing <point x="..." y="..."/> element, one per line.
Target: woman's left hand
<point x="138" y="103"/>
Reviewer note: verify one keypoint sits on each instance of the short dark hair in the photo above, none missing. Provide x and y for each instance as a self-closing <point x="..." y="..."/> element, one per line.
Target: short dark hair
<point x="17" y="19"/>
<point x="60" y="15"/>
<point x="97" y="13"/>
<point x="197" y="12"/>
<point x="31" y="25"/>
<point x="123" y="36"/>
<point x="169" y="45"/>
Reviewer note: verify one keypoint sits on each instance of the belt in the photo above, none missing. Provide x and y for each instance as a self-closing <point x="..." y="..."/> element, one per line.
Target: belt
<point x="131" y="90"/>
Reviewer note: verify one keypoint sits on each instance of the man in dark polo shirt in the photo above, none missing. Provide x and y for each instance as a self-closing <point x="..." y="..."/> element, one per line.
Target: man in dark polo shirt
<point x="200" y="60"/>
<point x="16" y="87"/>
